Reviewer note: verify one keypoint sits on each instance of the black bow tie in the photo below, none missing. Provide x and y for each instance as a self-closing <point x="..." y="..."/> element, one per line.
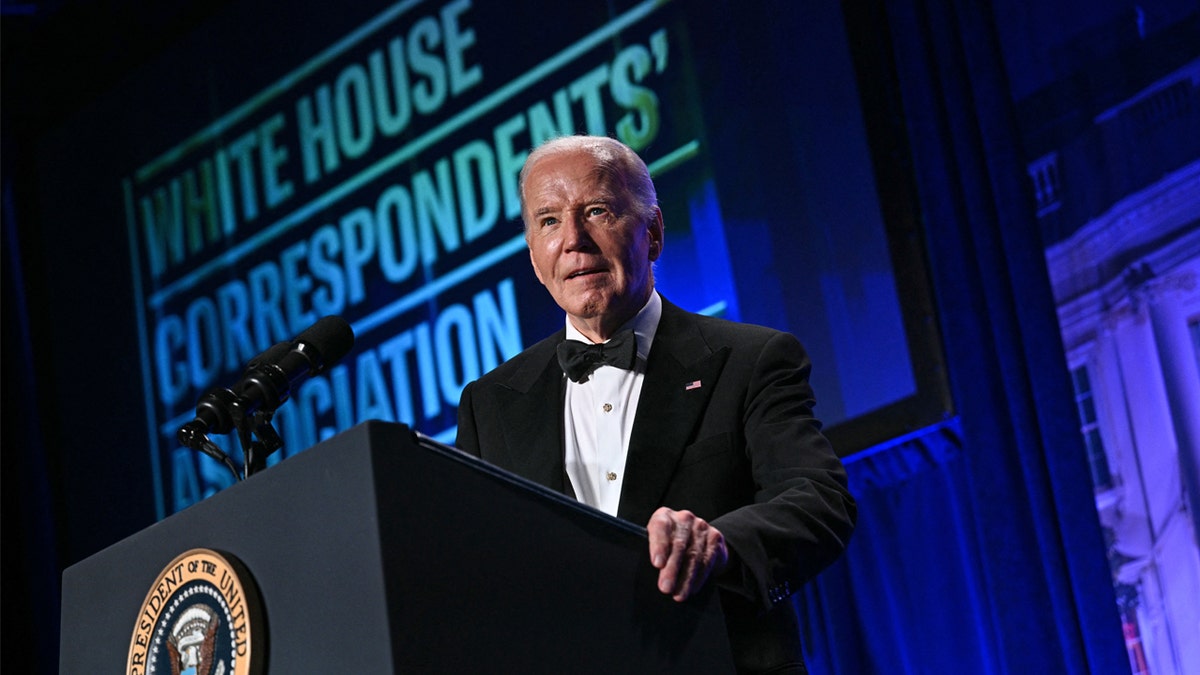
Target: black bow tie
<point x="579" y="359"/>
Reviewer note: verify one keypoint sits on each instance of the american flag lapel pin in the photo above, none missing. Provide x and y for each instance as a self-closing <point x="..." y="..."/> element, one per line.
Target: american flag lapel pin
<point x="691" y="385"/>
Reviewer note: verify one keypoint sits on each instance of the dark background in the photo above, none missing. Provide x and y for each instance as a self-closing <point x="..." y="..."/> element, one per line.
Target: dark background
<point x="957" y="96"/>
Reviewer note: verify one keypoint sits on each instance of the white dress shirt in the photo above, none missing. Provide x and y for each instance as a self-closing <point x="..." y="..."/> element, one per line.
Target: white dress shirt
<point x="598" y="416"/>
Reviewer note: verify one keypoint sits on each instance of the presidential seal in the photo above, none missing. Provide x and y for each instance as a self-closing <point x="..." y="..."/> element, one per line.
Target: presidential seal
<point x="201" y="617"/>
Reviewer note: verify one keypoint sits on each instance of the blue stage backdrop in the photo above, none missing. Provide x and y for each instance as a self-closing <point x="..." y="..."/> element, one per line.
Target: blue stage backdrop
<point x="277" y="166"/>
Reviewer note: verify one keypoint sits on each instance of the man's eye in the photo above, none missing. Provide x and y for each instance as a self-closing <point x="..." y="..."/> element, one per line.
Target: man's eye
<point x="547" y="222"/>
<point x="597" y="211"/>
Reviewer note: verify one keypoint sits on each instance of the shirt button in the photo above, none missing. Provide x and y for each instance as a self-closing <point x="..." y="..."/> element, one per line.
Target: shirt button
<point x="611" y="475"/>
<point x="607" y="408"/>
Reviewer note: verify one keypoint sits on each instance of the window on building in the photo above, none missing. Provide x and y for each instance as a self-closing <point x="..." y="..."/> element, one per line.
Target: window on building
<point x="1047" y="186"/>
<point x="1085" y="405"/>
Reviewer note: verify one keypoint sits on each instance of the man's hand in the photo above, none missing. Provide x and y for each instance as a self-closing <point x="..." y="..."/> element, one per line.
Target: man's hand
<point x="686" y="550"/>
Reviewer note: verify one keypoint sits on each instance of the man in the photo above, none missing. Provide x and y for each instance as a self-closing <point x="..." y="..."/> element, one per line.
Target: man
<point x="704" y="433"/>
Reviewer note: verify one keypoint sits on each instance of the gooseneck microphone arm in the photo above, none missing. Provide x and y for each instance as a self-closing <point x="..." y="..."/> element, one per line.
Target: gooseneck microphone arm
<point x="205" y="445"/>
<point x="212" y="416"/>
<point x="267" y="383"/>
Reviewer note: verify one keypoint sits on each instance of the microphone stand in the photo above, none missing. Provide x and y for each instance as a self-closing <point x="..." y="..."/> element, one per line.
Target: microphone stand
<point x="256" y="452"/>
<point x="213" y="412"/>
<point x="191" y="437"/>
<point x="249" y="428"/>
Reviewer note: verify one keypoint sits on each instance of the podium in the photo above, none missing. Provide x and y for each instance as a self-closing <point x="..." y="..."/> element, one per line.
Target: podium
<point x="378" y="551"/>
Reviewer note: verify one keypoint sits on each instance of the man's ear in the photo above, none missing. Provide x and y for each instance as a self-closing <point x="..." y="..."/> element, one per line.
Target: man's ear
<point x="655" y="229"/>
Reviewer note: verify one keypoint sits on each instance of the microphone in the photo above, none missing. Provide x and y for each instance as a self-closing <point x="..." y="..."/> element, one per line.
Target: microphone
<point x="269" y="379"/>
<point x="272" y="376"/>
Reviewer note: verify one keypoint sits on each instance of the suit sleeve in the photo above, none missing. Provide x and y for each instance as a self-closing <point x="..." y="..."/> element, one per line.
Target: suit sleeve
<point x="803" y="513"/>
<point x="467" y="436"/>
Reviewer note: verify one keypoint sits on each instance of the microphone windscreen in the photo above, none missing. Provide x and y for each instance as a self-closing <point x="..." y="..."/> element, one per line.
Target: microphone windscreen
<point x="331" y="336"/>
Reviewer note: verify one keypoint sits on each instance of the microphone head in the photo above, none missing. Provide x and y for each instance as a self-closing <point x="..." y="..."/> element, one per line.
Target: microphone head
<point x="331" y="337"/>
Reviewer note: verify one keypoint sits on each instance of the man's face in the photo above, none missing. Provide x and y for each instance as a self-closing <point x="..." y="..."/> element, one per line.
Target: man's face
<point x="587" y="245"/>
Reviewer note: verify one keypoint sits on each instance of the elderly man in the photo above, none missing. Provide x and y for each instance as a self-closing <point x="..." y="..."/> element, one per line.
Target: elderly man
<point x="700" y="428"/>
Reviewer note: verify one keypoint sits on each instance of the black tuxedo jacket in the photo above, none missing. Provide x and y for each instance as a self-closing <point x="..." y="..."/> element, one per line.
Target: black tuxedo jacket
<point x="724" y="428"/>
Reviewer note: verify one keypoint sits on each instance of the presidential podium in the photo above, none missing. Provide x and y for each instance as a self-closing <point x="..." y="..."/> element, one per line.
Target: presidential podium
<point x="379" y="551"/>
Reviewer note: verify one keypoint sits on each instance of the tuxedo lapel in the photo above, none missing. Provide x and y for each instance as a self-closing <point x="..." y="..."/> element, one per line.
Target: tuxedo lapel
<point x="532" y="418"/>
<point x="681" y="374"/>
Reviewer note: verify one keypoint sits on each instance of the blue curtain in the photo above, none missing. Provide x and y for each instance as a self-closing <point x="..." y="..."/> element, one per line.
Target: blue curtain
<point x="978" y="548"/>
<point x="945" y="574"/>
<point x="908" y="595"/>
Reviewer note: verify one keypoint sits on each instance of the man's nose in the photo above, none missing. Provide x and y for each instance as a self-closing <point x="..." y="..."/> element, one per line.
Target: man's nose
<point x="576" y="235"/>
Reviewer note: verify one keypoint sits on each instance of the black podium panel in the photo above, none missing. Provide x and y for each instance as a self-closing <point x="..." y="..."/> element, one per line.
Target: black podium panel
<point x="373" y="553"/>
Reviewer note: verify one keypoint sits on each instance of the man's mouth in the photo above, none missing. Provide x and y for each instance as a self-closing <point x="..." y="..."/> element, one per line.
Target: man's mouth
<point x="584" y="272"/>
